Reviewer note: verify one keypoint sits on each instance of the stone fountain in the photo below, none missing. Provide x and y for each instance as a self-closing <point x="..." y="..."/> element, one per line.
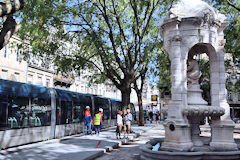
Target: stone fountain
<point x="193" y="27"/>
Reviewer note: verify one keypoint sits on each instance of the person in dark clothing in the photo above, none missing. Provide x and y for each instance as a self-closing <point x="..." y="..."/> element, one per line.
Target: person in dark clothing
<point x="157" y="117"/>
<point x="150" y="116"/>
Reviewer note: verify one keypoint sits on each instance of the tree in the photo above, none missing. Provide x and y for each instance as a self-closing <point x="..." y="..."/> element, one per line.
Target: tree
<point x="113" y="38"/>
<point x="161" y="72"/>
<point x="233" y="5"/>
<point x="204" y="80"/>
<point x="9" y="24"/>
<point x="139" y="88"/>
<point x="230" y="9"/>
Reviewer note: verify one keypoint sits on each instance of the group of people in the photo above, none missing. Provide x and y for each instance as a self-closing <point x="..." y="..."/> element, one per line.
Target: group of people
<point x="97" y="121"/>
<point x="152" y="117"/>
<point x="123" y="123"/>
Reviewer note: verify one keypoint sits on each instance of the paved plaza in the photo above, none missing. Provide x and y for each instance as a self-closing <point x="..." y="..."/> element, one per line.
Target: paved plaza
<point x="77" y="147"/>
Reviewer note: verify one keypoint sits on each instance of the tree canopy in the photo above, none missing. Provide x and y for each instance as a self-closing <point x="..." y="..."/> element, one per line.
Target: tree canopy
<point x="116" y="39"/>
<point x="231" y="10"/>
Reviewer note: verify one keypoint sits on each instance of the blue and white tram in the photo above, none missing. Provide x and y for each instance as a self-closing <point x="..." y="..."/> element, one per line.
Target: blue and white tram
<point x="30" y="113"/>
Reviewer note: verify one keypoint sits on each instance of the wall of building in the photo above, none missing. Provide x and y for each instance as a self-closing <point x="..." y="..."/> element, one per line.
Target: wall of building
<point x="39" y="76"/>
<point x="12" y="67"/>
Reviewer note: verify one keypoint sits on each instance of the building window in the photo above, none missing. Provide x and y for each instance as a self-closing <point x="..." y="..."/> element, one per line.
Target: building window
<point x="16" y="76"/>
<point x="39" y="81"/>
<point x="230" y="98"/>
<point x="18" y="54"/>
<point x="229" y="78"/>
<point x="91" y="90"/>
<point x="82" y="88"/>
<point x="96" y="91"/>
<point x="238" y="96"/>
<point x="199" y="56"/>
<point x="238" y="77"/>
<point x="47" y="82"/>
<point x="4" y="74"/>
<point x="5" y="50"/>
<point x="30" y="79"/>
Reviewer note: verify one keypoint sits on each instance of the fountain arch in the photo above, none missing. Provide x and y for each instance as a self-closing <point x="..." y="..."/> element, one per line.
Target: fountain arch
<point x="209" y="50"/>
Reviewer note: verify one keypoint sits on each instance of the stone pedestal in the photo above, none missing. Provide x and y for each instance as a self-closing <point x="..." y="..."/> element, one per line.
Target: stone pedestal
<point x="177" y="129"/>
<point x="195" y="130"/>
<point x="177" y="136"/>
<point x="222" y="135"/>
<point x="194" y="97"/>
<point x="194" y="94"/>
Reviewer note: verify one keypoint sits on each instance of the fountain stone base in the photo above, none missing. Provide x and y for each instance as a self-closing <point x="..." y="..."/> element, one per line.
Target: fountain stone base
<point x="196" y="153"/>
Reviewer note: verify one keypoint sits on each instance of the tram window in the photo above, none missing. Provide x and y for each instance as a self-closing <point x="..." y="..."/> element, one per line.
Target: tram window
<point x="3" y="112"/>
<point x="18" y="112"/>
<point x="78" y="113"/>
<point x="64" y="112"/>
<point x="102" y="103"/>
<point x="106" y="113"/>
<point x="115" y="107"/>
<point x="40" y="114"/>
<point x="58" y="112"/>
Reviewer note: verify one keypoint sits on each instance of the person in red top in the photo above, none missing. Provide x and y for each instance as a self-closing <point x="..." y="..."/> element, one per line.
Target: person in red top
<point x="88" y="120"/>
<point x="101" y="110"/>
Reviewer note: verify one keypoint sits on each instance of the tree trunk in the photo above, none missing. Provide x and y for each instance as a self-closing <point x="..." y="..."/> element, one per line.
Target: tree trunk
<point x="125" y="98"/>
<point x="141" y="114"/>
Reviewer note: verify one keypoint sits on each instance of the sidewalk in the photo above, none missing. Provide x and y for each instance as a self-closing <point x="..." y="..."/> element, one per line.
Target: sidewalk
<point x="71" y="148"/>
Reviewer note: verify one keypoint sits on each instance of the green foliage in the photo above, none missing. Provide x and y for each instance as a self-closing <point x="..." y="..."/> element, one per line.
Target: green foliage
<point x="161" y="72"/>
<point x="232" y="31"/>
<point x="204" y="80"/>
<point x="115" y="39"/>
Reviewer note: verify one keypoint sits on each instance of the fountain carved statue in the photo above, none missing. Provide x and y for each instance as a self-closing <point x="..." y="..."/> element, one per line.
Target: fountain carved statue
<point x="193" y="72"/>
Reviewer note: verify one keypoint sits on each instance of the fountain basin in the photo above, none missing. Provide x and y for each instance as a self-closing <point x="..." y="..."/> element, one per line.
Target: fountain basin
<point x="148" y="154"/>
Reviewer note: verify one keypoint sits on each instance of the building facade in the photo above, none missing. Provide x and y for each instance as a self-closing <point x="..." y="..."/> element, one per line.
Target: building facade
<point x="233" y="86"/>
<point x="12" y="67"/>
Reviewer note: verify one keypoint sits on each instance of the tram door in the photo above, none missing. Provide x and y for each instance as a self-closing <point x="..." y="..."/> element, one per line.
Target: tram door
<point x="3" y="112"/>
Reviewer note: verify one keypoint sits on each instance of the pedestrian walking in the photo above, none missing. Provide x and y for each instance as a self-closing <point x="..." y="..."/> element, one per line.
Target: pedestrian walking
<point x="157" y="117"/>
<point x="145" y="115"/>
<point x="97" y="119"/>
<point x="101" y="110"/>
<point x="88" y="121"/>
<point x="150" y="116"/>
<point x="119" y="124"/>
<point x="127" y="123"/>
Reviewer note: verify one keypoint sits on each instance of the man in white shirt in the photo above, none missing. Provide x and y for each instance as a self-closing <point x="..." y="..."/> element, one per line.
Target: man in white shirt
<point x="119" y="124"/>
<point x="127" y="120"/>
